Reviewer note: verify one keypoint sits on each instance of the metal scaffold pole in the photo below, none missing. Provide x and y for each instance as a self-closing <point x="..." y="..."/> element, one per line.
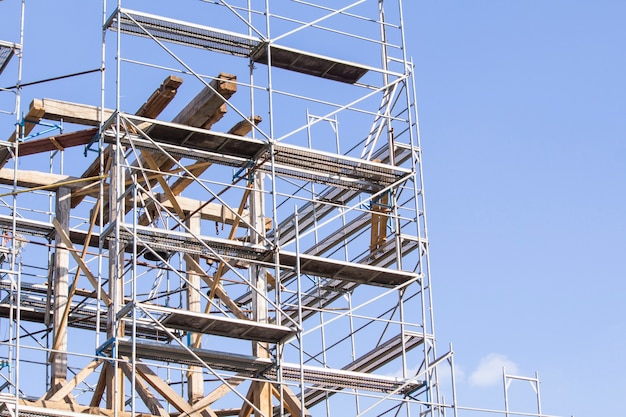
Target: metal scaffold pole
<point x="167" y="261"/>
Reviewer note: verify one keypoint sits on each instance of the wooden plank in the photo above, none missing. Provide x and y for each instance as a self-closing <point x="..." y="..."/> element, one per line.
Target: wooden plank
<point x="311" y="64"/>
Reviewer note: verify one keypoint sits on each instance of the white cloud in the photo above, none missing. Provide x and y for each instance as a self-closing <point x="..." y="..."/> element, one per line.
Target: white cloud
<point x="489" y="371"/>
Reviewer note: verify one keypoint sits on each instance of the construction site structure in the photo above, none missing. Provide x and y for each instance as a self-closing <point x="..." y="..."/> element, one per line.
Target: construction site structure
<point x="235" y="227"/>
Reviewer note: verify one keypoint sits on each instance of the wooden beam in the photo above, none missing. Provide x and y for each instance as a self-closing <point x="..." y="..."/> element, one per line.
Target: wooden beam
<point x="202" y="112"/>
<point x="81" y="263"/>
<point x="160" y="98"/>
<point x="167" y="392"/>
<point x="67" y="388"/>
<point x="262" y="395"/>
<point x="209" y="211"/>
<point x="219" y="291"/>
<point x="246" y="408"/>
<point x="37" y="179"/>
<point x="380" y="215"/>
<point x="245" y="126"/>
<point x="291" y="401"/>
<point x="155" y="104"/>
<point x="62" y="141"/>
<point x="218" y="393"/>
<point x="83" y="114"/>
<point x="72" y="291"/>
<point x="164" y="185"/>
<point x="34" y="115"/>
<point x="146" y="396"/>
<point x="241" y="129"/>
<point x="86" y="186"/>
<point x="68" y="112"/>
<point x="203" y="109"/>
<point x="60" y="286"/>
<point x="233" y="230"/>
<point x="195" y="379"/>
<point x="183" y="182"/>
<point x="98" y="392"/>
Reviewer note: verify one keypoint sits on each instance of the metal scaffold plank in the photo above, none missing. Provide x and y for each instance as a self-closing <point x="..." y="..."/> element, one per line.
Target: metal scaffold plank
<point x="353" y="375"/>
<point x="176" y="241"/>
<point x="346" y="271"/>
<point x="18" y="407"/>
<point x="371" y="361"/>
<point x="258" y="50"/>
<point x="290" y="160"/>
<point x="327" y="200"/>
<point x="210" y="247"/>
<point x="7" y="50"/>
<point x="227" y="361"/>
<point x="309" y="63"/>
<point x="212" y="324"/>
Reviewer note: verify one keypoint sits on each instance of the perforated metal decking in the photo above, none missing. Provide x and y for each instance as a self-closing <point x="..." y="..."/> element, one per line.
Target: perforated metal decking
<point x="7" y="50"/>
<point x="258" y="50"/>
<point x="290" y="160"/>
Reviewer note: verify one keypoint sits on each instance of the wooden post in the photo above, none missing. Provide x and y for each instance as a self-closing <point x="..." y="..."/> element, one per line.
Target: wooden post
<point x="261" y="391"/>
<point x="195" y="382"/>
<point x="115" y="376"/>
<point x="61" y="262"/>
<point x="380" y="215"/>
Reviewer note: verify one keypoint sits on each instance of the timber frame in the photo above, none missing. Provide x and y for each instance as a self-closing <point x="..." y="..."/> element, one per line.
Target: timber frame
<point x="247" y="242"/>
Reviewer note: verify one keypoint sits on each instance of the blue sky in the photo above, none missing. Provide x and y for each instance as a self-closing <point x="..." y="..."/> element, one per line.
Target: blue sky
<point x="522" y="121"/>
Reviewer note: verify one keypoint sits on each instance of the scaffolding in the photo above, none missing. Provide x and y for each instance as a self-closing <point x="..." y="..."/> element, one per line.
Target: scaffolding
<point x="251" y="240"/>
